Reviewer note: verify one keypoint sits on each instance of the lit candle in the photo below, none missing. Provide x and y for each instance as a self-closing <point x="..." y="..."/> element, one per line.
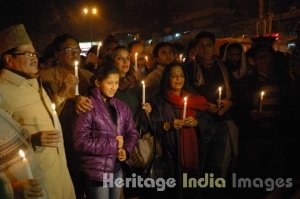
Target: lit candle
<point x="55" y="118"/>
<point x="220" y="97"/>
<point x="26" y="164"/>
<point x="181" y="58"/>
<point x="143" y="93"/>
<point x="98" y="48"/>
<point x="262" y="93"/>
<point x="76" y="75"/>
<point x="135" y="60"/>
<point x="146" y="58"/>
<point x="184" y="107"/>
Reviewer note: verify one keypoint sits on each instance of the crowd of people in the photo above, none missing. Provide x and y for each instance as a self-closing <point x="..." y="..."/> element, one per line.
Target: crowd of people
<point x="79" y="117"/>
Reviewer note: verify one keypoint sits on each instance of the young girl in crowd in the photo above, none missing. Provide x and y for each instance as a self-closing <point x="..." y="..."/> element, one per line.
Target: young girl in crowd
<point x="101" y="132"/>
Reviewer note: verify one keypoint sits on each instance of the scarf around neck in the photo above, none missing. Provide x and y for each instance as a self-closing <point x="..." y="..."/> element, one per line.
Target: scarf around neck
<point x="127" y="82"/>
<point x="194" y="102"/>
<point x="200" y="80"/>
<point x="189" y="149"/>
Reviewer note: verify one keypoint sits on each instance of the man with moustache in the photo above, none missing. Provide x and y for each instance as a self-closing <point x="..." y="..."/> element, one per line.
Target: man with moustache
<point x="27" y="102"/>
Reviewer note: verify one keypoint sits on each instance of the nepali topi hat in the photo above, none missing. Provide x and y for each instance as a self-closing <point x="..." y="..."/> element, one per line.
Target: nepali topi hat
<point x="13" y="37"/>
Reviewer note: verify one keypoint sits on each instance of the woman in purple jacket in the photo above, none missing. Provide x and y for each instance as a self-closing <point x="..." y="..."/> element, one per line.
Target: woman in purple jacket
<point x="104" y="136"/>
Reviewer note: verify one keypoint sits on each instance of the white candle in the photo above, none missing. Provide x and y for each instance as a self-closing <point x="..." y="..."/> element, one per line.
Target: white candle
<point x="220" y="96"/>
<point x="98" y="48"/>
<point x="26" y="165"/>
<point x="55" y="118"/>
<point x="262" y="93"/>
<point x="135" y="60"/>
<point x="76" y="75"/>
<point x="143" y="93"/>
<point x="184" y="107"/>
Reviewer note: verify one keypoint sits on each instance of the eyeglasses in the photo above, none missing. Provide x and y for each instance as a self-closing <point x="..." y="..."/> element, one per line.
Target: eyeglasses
<point x="26" y="54"/>
<point x="72" y="50"/>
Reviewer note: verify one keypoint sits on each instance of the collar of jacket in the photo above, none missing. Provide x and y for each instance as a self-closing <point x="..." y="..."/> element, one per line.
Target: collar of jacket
<point x="13" y="77"/>
<point x="96" y="92"/>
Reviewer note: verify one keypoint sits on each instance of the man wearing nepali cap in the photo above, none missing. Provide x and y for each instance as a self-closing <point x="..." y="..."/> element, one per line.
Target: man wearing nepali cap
<point x="23" y="97"/>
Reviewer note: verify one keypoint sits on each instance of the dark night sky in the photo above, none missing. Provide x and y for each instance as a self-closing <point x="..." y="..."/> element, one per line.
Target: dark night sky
<point x="44" y="19"/>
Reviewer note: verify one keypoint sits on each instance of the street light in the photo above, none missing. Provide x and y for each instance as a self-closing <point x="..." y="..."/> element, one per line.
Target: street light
<point x="92" y="12"/>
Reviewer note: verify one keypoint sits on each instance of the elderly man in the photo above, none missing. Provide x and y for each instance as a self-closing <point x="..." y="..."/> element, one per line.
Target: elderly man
<point x="27" y="102"/>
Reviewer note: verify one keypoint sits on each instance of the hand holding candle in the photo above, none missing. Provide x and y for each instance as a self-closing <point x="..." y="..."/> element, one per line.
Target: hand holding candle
<point x="143" y="92"/>
<point x="220" y="96"/>
<point x="262" y="93"/>
<point x="76" y="75"/>
<point x="26" y="165"/>
<point x="184" y="107"/>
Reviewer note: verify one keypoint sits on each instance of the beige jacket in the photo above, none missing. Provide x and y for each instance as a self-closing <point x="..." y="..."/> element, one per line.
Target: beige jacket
<point x="30" y="106"/>
<point x="53" y="78"/>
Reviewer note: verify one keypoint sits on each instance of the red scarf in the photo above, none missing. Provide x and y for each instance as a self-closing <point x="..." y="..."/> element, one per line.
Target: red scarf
<point x="188" y="138"/>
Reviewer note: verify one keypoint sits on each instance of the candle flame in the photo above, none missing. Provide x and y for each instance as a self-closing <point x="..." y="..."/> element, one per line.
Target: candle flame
<point x="262" y="93"/>
<point x="53" y="106"/>
<point x="185" y="99"/>
<point x="146" y="58"/>
<point x="99" y="44"/>
<point x="220" y="88"/>
<point x="143" y="82"/>
<point x="21" y="153"/>
<point x="136" y="54"/>
<point x="76" y="63"/>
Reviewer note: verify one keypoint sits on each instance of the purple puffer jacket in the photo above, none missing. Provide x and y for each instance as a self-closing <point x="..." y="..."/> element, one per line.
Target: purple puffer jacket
<point x="95" y="136"/>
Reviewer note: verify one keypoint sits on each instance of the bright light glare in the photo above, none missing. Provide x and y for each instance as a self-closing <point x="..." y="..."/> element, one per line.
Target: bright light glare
<point x="85" y="11"/>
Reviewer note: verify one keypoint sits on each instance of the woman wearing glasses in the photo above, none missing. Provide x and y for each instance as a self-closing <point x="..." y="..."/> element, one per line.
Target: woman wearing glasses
<point x="60" y="82"/>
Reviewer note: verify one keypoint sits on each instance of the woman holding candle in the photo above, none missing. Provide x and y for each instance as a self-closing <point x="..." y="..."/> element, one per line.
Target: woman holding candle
<point x="180" y="136"/>
<point x="105" y="135"/>
<point x="129" y="91"/>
